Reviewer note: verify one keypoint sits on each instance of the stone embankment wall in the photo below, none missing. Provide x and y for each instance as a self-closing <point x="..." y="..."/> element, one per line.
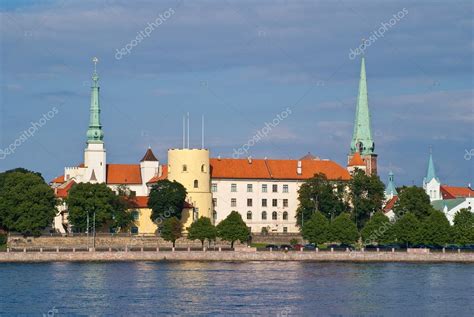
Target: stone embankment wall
<point x="104" y="242"/>
<point x="235" y="256"/>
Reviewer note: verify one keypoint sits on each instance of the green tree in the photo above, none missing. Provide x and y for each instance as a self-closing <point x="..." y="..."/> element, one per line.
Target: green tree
<point x="166" y="200"/>
<point x="344" y="230"/>
<point x="27" y="203"/>
<point x="201" y="230"/>
<point x="233" y="228"/>
<point x="406" y="229"/>
<point x="316" y="230"/>
<point x="320" y="194"/>
<point x="435" y="229"/>
<point x="463" y="228"/>
<point x="377" y="230"/>
<point x="415" y="200"/>
<point x="86" y="199"/>
<point x="171" y="230"/>
<point x="367" y="196"/>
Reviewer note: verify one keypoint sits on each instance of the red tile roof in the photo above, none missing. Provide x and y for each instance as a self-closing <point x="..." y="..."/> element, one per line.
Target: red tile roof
<point x="59" y="179"/>
<point x="142" y="202"/>
<point x="389" y="205"/>
<point x="356" y="160"/>
<point x="149" y="156"/>
<point x="164" y="175"/>
<point x="451" y="192"/>
<point x="275" y="169"/>
<point x="124" y="174"/>
<point x="63" y="191"/>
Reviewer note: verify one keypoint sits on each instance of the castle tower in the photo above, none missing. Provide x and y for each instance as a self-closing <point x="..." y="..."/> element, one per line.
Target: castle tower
<point x="149" y="166"/>
<point x="94" y="154"/>
<point x="431" y="183"/>
<point x="362" y="141"/>
<point x="191" y="168"/>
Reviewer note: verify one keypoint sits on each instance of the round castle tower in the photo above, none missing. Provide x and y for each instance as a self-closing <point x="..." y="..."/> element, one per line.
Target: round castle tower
<point x="191" y="168"/>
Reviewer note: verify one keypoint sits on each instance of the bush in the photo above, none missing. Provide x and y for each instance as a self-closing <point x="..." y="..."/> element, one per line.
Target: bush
<point x="3" y="239"/>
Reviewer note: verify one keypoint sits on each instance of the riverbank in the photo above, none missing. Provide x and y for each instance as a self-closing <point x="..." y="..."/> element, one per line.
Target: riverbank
<point x="234" y="256"/>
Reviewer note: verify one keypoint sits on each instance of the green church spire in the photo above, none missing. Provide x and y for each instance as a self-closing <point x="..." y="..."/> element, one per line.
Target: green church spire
<point x="431" y="169"/>
<point x="362" y="138"/>
<point x="95" y="133"/>
<point x="391" y="189"/>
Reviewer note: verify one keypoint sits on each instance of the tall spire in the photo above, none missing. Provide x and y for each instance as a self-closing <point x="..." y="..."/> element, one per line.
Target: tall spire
<point x="95" y="133"/>
<point x="391" y="190"/>
<point x="431" y="173"/>
<point x="362" y="138"/>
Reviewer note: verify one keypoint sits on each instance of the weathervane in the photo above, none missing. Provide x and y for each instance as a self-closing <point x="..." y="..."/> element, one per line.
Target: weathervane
<point x="95" y="60"/>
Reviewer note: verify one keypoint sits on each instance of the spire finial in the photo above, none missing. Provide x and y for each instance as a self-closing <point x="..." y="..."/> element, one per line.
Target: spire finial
<point x="95" y="60"/>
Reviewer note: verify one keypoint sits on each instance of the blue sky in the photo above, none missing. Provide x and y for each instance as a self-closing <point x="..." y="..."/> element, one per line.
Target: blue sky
<point x="240" y="64"/>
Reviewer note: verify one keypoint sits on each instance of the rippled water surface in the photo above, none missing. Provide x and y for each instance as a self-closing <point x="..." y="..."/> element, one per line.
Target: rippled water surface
<point x="252" y="288"/>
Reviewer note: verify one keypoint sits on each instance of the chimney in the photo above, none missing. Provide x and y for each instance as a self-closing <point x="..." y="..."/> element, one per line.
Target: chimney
<point x="219" y="157"/>
<point x="299" y="168"/>
<point x="249" y="159"/>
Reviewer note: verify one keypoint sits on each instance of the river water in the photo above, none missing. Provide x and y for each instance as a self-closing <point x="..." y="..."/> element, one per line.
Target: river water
<point x="233" y="289"/>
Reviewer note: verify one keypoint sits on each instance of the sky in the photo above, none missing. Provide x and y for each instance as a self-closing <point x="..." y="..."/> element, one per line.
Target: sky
<point x="241" y="65"/>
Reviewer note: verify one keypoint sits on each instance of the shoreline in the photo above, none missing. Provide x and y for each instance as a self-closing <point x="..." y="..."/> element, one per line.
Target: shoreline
<point x="234" y="256"/>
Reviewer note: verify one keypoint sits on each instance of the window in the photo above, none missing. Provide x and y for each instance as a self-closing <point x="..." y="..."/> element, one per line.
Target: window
<point x="285" y="229"/>
<point x="185" y="168"/>
<point x="196" y="183"/>
<point x="285" y="202"/>
<point x="285" y="188"/>
<point x="264" y="203"/>
<point x="249" y="202"/>
<point x="249" y="215"/>
<point x="275" y="188"/>
<point x="214" y="201"/>
<point x="214" y="216"/>
<point x="134" y="230"/>
<point x="203" y="168"/>
<point x="274" y="202"/>
<point x="285" y="215"/>
<point x="249" y="188"/>
<point x="233" y="188"/>
<point x="274" y="215"/>
<point x="264" y="188"/>
<point x="214" y="187"/>
<point x="135" y="215"/>
<point x="233" y="202"/>
<point x="264" y="215"/>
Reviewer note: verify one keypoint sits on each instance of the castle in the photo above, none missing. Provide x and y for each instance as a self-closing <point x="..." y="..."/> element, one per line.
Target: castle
<point x="263" y="191"/>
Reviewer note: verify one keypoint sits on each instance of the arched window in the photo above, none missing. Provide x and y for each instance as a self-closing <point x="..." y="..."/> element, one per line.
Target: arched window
<point x="274" y="215"/>
<point x="185" y="168"/>
<point x="249" y="215"/>
<point x="285" y="215"/>
<point x="196" y="183"/>
<point x="203" y="168"/>
<point x="264" y="215"/>
<point x="214" y="216"/>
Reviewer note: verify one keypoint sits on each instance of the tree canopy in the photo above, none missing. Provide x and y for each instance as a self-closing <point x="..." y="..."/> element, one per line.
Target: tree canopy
<point x="415" y="200"/>
<point x="406" y="229"/>
<point x="344" y="230"/>
<point x="233" y="228"/>
<point x="171" y="230"/>
<point x="435" y="229"/>
<point x="320" y="194"/>
<point x="27" y="203"/>
<point x="463" y="227"/>
<point x="201" y="230"/>
<point x="166" y="199"/>
<point x="316" y="230"/>
<point x="86" y="199"/>
<point x="377" y="230"/>
<point x="367" y="196"/>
